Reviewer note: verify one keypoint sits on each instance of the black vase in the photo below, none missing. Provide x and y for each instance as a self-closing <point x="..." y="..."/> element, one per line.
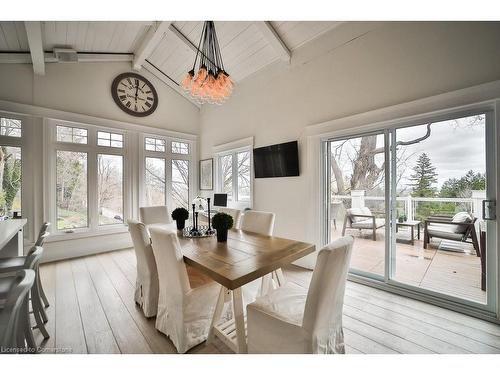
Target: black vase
<point x="221" y="235"/>
<point x="180" y="224"/>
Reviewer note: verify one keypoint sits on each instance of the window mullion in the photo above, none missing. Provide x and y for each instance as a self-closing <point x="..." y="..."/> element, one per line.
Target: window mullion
<point x="235" y="176"/>
<point x="92" y="206"/>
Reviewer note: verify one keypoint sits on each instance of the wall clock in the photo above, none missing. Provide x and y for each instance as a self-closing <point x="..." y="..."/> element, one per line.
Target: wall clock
<point x="134" y="94"/>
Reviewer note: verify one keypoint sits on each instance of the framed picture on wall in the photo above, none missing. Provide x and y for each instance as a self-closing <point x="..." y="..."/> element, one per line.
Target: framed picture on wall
<point x="207" y="174"/>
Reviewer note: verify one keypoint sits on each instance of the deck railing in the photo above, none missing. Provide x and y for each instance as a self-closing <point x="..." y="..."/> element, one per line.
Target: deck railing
<point x="417" y="208"/>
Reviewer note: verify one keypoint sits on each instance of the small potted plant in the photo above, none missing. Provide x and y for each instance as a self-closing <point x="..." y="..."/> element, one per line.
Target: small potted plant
<point x="180" y="215"/>
<point x="222" y="222"/>
<point x="402" y="218"/>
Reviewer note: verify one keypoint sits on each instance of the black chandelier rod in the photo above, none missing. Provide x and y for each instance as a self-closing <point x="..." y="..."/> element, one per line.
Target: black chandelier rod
<point x="210" y="55"/>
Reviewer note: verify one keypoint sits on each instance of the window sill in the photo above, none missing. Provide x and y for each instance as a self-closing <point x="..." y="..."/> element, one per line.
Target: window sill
<point x="61" y="236"/>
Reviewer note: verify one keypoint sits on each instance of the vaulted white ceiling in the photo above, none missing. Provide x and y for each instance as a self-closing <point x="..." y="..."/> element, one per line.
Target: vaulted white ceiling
<point x="246" y="46"/>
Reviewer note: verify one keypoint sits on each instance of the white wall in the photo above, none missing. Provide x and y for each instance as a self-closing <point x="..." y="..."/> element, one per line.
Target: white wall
<point x="85" y="88"/>
<point x="79" y="89"/>
<point x="384" y="64"/>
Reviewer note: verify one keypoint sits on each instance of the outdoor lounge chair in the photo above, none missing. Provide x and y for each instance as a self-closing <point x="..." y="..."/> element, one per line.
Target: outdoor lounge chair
<point x="362" y="218"/>
<point x="459" y="227"/>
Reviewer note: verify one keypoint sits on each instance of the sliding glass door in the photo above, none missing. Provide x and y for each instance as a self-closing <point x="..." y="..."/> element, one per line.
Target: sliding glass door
<point x="419" y="200"/>
<point x="357" y="202"/>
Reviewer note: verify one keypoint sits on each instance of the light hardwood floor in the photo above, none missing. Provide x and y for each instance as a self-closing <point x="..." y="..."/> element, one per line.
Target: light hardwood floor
<point x="93" y="311"/>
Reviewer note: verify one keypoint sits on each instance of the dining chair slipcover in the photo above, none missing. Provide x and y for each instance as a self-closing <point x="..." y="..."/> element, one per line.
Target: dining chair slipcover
<point x="262" y="223"/>
<point x="184" y="313"/>
<point x="155" y="215"/>
<point x="291" y="319"/>
<point x="234" y="213"/>
<point x="258" y="222"/>
<point x="146" y="285"/>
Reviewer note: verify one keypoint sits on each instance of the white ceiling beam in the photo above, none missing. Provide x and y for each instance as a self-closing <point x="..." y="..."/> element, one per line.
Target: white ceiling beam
<point x="24" y="58"/>
<point x="34" y="33"/>
<point x="182" y="38"/>
<point x="274" y="39"/>
<point x="169" y="82"/>
<point x="154" y="35"/>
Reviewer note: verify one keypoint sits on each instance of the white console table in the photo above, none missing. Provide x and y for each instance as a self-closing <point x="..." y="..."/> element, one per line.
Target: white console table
<point x="11" y="237"/>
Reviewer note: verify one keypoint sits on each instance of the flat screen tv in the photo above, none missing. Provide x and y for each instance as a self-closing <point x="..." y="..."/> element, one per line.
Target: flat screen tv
<point x="281" y="160"/>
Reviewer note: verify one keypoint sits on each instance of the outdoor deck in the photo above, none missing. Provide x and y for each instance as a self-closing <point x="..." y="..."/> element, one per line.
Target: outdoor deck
<point x="453" y="273"/>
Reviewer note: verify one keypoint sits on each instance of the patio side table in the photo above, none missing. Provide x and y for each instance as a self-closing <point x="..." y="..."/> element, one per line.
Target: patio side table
<point x="412" y="224"/>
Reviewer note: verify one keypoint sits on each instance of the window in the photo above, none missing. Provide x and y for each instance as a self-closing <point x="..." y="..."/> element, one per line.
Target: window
<point x="110" y="139"/>
<point x="10" y="190"/>
<point x="71" y="134"/>
<point x="234" y="175"/>
<point x="10" y="127"/>
<point x="167" y="172"/>
<point x="88" y="191"/>
<point x="180" y="183"/>
<point x="243" y="170"/>
<point x="180" y="148"/>
<point x="155" y="182"/>
<point x="155" y="144"/>
<point x="110" y="188"/>
<point x="71" y="190"/>
<point x="226" y="164"/>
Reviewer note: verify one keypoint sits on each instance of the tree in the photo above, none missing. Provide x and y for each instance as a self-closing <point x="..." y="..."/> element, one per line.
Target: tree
<point x="424" y="177"/>
<point x="462" y="187"/>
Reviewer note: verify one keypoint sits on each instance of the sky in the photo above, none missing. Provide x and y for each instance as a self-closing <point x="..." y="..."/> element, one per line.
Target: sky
<point x="454" y="148"/>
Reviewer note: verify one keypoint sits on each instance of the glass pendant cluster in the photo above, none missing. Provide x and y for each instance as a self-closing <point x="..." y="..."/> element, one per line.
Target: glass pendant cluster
<point x="210" y="83"/>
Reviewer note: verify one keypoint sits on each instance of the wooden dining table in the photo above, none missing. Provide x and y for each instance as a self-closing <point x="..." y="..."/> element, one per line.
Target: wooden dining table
<point x="245" y="257"/>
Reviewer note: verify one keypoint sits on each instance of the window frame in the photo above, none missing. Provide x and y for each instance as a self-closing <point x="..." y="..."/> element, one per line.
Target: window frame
<point x="168" y="156"/>
<point x="93" y="150"/>
<point x="235" y="201"/>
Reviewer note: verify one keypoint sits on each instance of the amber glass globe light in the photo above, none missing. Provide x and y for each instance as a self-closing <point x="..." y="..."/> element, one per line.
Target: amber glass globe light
<point x="207" y="81"/>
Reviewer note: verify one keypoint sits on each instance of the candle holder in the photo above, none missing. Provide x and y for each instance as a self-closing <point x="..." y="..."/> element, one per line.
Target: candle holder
<point x="210" y="230"/>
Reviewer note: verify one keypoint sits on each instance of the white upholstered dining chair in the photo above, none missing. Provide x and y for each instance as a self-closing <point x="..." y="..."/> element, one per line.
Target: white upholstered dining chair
<point x="291" y="319"/>
<point x="258" y="222"/>
<point x="262" y="223"/>
<point x="184" y="313"/>
<point x="156" y="216"/>
<point x="146" y="286"/>
<point x="234" y="213"/>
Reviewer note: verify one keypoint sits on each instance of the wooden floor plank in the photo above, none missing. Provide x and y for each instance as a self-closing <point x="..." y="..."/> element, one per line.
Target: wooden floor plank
<point x="125" y="266"/>
<point x="473" y="341"/>
<point x="93" y="309"/>
<point x="158" y="342"/>
<point x="127" y="335"/>
<point x="98" y="334"/>
<point x="48" y="280"/>
<point x="444" y="342"/>
<point x="69" y="328"/>
<point x="364" y="344"/>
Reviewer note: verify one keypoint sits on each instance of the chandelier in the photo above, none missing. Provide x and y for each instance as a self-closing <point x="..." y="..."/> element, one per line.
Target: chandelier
<point x="211" y="83"/>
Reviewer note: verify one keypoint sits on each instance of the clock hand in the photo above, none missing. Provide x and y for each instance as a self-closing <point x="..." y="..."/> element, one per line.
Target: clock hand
<point x="136" y="91"/>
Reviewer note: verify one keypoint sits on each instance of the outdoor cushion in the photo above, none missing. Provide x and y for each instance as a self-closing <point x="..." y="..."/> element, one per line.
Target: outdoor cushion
<point x="442" y="231"/>
<point x="365" y="211"/>
<point x="368" y="224"/>
<point x="460" y="217"/>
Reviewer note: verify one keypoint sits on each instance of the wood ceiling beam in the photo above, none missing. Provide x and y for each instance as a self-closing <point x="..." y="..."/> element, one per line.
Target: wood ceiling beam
<point x="274" y="39"/>
<point x="24" y="58"/>
<point x="34" y="34"/>
<point x="162" y="76"/>
<point x="150" y="42"/>
<point x="182" y="38"/>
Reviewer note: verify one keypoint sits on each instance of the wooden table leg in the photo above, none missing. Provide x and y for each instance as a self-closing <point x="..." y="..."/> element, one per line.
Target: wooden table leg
<point x="239" y="318"/>
<point x="418" y="231"/>
<point x="217" y="313"/>
<point x="412" y="233"/>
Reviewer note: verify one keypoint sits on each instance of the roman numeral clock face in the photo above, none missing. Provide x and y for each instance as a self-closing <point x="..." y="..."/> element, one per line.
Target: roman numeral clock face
<point x="134" y="94"/>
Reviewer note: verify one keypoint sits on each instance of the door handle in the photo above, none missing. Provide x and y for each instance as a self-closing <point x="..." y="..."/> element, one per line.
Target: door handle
<point x="491" y="209"/>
